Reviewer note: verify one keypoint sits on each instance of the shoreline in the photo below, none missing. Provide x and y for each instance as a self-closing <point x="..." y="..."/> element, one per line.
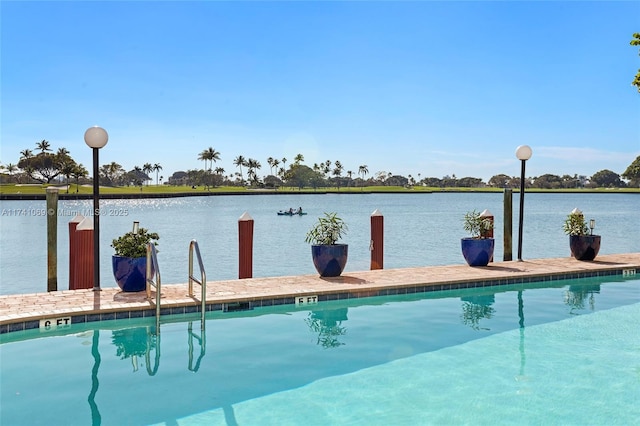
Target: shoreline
<point x="143" y="195"/>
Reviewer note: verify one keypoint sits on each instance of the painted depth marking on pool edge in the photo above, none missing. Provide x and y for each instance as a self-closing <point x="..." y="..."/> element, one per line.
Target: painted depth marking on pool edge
<point x="50" y="324"/>
<point x="306" y="300"/>
<point x="628" y="272"/>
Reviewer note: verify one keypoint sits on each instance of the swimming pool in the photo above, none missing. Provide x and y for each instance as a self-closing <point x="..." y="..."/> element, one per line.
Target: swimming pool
<point x="564" y="352"/>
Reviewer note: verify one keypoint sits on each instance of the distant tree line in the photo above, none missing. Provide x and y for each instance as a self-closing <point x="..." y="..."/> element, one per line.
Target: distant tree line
<point x="333" y="174"/>
<point x="59" y="167"/>
<point x="48" y="167"/>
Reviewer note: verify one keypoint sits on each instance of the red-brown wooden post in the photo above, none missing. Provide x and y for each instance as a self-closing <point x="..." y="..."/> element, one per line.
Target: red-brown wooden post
<point x="486" y="214"/>
<point x="84" y="259"/>
<point x="377" y="240"/>
<point x="245" y="234"/>
<point x="73" y="250"/>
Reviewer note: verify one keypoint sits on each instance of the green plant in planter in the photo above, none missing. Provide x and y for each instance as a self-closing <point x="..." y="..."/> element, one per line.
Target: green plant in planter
<point x="327" y="230"/>
<point x="134" y="244"/>
<point x="575" y="224"/>
<point x="583" y="244"/>
<point x="476" y="225"/>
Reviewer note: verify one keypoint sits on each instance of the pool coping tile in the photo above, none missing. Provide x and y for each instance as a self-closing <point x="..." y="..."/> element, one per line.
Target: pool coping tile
<point x="24" y="311"/>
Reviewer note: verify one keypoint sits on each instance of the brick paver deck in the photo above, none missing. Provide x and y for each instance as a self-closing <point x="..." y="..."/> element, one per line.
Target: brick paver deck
<point x="16" y="311"/>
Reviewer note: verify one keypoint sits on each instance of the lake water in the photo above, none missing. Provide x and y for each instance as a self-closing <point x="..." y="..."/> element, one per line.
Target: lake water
<point x="420" y="230"/>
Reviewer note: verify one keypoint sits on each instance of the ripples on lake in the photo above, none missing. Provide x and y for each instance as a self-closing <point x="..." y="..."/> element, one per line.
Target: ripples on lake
<point x="420" y="230"/>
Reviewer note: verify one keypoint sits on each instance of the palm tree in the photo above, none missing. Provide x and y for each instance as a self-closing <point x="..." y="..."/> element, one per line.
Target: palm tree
<point x="147" y="168"/>
<point x="253" y="166"/>
<point x="136" y="177"/>
<point x="78" y="172"/>
<point x="43" y="146"/>
<point x="68" y="165"/>
<point x="270" y="163"/>
<point x="284" y="163"/>
<point x="156" y="168"/>
<point x="363" y="170"/>
<point x="62" y="152"/>
<point x="240" y="161"/>
<point x="326" y="168"/>
<point x="26" y="153"/>
<point x="298" y="159"/>
<point x="209" y="154"/>
<point x="112" y="172"/>
<point x="276" y="163"/>
<point x="204" y="156"/>
<point x="212" y="155"/>
<point x="337" y="171"/>
<point x="10" y="169"/>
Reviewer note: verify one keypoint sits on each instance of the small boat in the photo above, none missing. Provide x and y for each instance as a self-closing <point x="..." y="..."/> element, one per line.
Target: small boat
<point x="291" y="213"/>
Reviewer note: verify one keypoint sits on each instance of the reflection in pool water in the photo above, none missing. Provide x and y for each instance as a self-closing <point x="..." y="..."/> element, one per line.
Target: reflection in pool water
<point x="469" y="356"/>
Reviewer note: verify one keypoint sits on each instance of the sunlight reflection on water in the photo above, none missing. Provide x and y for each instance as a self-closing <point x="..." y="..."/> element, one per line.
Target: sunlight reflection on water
<point x="420" y="230"/>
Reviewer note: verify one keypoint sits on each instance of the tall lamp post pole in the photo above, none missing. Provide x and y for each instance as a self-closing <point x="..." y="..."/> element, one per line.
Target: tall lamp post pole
<point x="523" y="153"/>
<point x="96" y="137"/>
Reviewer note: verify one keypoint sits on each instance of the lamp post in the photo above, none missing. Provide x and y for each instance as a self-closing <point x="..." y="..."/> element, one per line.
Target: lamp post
<point x="96" y="137"/>
<point x="523" y="153"/>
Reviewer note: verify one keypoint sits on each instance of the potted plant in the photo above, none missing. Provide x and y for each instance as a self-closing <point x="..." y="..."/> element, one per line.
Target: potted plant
<point x="583" y="244"/>
<point x="329" y="257"/>
<point x="130" y="260"/>
<point x="478" y="249"/>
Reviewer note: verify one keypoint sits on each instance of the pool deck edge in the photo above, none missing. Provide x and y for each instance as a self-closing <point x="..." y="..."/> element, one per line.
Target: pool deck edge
<point x="24" y="311"/>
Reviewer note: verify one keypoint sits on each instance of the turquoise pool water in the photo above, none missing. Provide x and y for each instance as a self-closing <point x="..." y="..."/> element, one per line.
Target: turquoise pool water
<point x="565" y="352"/>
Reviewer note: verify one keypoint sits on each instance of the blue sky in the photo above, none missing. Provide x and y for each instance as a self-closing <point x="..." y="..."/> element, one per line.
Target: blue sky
<point x="429" y="88"/>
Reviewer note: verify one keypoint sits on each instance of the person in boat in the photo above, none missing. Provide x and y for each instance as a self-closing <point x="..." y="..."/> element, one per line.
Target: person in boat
<point x="290" y="210"/>
<point x="299" y="210"/>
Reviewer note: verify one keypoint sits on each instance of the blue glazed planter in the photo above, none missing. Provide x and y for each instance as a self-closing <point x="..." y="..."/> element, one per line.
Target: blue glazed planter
<point x="584" y="247"/>
<point x="477" y="251"/>
<point x="130" y="272"/>
<point x="329" y="260"/>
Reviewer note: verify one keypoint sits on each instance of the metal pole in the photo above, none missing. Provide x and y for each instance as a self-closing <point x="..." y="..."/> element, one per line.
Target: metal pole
<point x="521" y="211"/>
<point x="96" y="222"/>
<point x="508" y="225"/>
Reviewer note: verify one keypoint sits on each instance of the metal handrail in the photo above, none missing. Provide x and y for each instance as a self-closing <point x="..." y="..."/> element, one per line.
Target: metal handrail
<point x="193" y="246"/>
<point x="153" y="270"/>
<point x="202" y="341"/>
<point x="147" y="356"/>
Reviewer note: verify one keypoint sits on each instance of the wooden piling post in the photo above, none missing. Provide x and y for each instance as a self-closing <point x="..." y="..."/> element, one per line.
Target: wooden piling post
<point x="245" y="234"/>
<point x="73" y="250"/>
<point x="377" y="240"/>
<point x="508" y="225"/>
<point x="52" y="239"/>
<point x="84" y="265"/>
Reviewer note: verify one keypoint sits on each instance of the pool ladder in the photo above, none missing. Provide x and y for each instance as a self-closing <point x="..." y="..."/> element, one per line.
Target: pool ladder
<point x="202" y="339"/>
<point x="152" y="266"/>
<point x="154" y="280"/>
<point x="193" y="247"/>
